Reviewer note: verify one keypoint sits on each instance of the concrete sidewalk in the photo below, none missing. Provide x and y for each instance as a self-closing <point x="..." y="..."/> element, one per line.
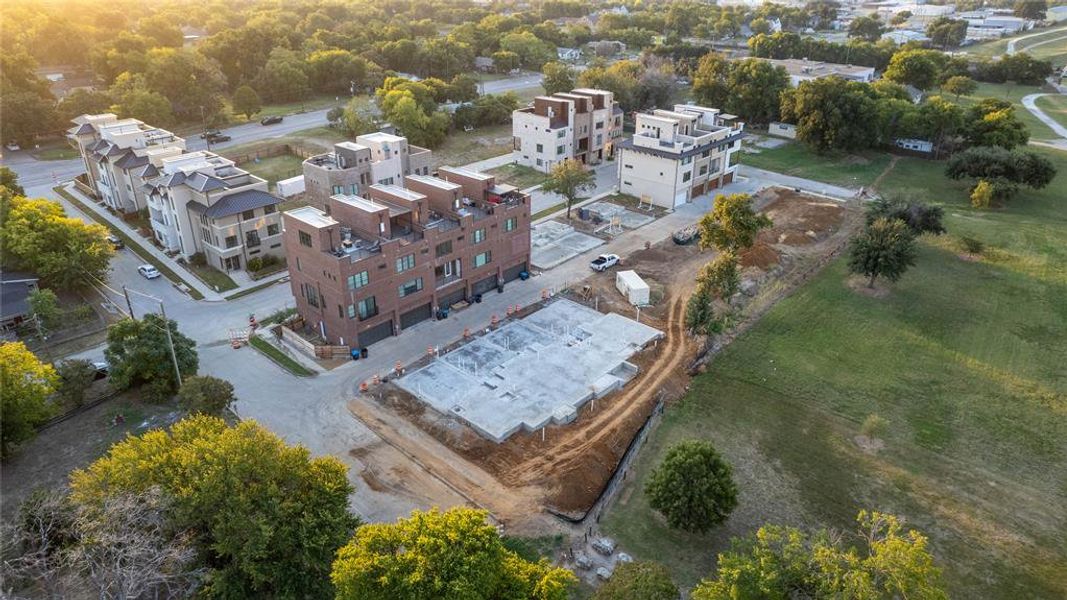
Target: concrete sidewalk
<point x="490" y="163"/>
<point x="769" y="178"/>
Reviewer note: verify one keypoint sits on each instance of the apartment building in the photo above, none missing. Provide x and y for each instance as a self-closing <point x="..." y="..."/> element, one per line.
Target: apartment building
<point x="352" y="167"/>
<point x="119" y="155"/>
<point x="201" y="202"/>
<point x="582" y="124"/>
<point x="374" y="266"/>
<point x="677" y="155"/>
<point x="806" y="70"/>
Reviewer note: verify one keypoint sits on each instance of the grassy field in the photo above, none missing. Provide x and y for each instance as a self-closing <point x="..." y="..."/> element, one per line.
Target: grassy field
<point x="966" y="361"/>
<point x="275" y="168"/>
<point x="1054" y="106"/>
<point x="519" y="176"/>
<point x="461" y="147"/>
<point x="1013" y="93"/>
<point x="995" y="48"/>
<point x="852" y="170"/>
<point x="58" y="152"/>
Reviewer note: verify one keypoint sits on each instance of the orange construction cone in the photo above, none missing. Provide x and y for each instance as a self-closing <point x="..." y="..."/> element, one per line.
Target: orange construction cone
<point x="544" y="294"/>
<point x="377" y="379"/>
<point x="429" y="350"/>
<point x="466" y="332"/>
<point x="494" y="321"/>
<point x="363" y="387"/>
<point x="398" y="367"/>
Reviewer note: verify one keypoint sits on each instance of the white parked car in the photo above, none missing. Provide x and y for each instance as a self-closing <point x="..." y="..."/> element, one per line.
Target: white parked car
<point x="604" y="262"/>
<point x="148" y="271"/>
<point x="13" y="147"/>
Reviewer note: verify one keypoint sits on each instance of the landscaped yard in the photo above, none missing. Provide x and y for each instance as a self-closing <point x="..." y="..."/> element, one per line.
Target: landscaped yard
<point x="964" y="358"/>
<point x="215" y="278"/>
<point x="519" y="176"/>
<point x="850" y="170"/>
<point x="461" y="147"/>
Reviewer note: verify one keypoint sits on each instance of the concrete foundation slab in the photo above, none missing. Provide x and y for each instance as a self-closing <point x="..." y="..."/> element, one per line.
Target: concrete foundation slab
<point x="553" y="243"/>
<point x="629" y="219"/>
<point x="533" y="372"/>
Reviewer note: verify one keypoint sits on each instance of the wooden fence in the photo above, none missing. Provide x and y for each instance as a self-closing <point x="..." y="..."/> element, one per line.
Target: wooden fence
<point x="310" y="348"/>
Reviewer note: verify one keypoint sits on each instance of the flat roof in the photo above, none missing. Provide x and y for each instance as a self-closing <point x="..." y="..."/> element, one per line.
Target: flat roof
<point x="796" y="66"/>
<point x="380" y="136"/>
<point x="371" y="205"/>
<point x="396" y="190"/>
<point x="466" y="173"/>
<point x="350" y="146"/>
<point x="435" y="181"/>
<point x="312" y="216"/>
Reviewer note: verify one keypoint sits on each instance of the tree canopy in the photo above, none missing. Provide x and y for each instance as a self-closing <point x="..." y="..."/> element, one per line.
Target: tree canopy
<point x="449" y="555"/>
<point x="138" y="352"/>
<point x="267" y="517"/>
<point x="731" y="224"/>
<point x="778" y="563"/>
<point x="642" y="580"/>
<point x="569" y="178"/>
<point x="1002" y="170"/>
<point x="26" y="383"/>
<point x="692" y="487"/>
<point x="885" y="248"/>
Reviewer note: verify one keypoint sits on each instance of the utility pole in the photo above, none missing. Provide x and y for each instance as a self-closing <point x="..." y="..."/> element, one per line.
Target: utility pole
<point x="129" y="304"/>
<point x="170" y="341"/>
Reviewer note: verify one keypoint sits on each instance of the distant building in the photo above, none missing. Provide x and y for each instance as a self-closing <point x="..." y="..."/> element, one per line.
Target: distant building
<point x="990" y="24"/>
<point x="15" y="290"/>
<point x="581" y="124"/>
<point x="484" y="64"/>
<point x="352" y="167"/>
<point x="202" y="203"/>
<point x="119" y="155"/>
<point x="904" y="36"/>
<point x="921" y="14"/>
<point x="570" y="54"/>
<point x="374" y="266"/>
<point x="807" y="70"/>
<point x="921" y="146"/>
<point x="677" y="155"/>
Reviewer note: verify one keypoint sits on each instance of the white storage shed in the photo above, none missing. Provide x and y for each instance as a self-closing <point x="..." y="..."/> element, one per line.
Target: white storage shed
<point x="287" y="188"/>
<point x="630" y="284"/>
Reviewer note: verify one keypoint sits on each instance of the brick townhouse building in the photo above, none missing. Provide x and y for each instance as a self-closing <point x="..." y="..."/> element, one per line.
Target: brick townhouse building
<point x="375" y="266"/>
<point x="352" y="167"/>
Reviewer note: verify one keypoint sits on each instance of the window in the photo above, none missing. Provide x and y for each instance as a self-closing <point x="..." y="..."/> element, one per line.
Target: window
<point x="715" y="165"/>
<point x="478" y="236"/>
<point x="629" y="166"/>
<point x="311" y="294"/>
<point x="358" y="280"/>
<point x="687" y="160"/>
<point x="367" y="307"/>
<point x="559" y="150"/>
<point x="511" y="223"/>
<point x="540" y="148"/>
<point x="340" y="312"/>
<point x="703" y="169"/>
<point x="231" y="241"/>
<point x="410" y="287"/>
<point x="405" y="262"/>
<point x="270" y="209"/>
<point x="600" y="125"/>
<point x="252" y="238"/>
<point x="540" y="162"/>
<point x="273" y="229"/>
<point x="352" y="189"/>
<point x="444" y="248"/>
<point x="248" y="215"/>
<point x="599" y="139"/>
<point x="562" y="133"/>
<point x="687" y="175"/>
<point x="305" y="238"/>
<point x="480" y="260"/>
<point x="338" y="189"/>
<point x="205" y="234"/>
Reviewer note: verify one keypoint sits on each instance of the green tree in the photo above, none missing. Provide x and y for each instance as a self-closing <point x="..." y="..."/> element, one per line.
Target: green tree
<point x="39" y="237"/>
<point x="993" y="122"/>
<point x="642" y="580"/>
<point x="700" y="316"/>
<point x="1002" y="170"/>
<point x="710" y="80"/>
<point x="246" y="101"/>
<point x="569" y="178"/>
<point x="189" y="80"/>
<point x="868" y="28"/>
<point x="784" y="562"/>
<point x="133" y="99"/>
<point x="558" y="77"/>
<point x="206" y="394"/>
<point x="161" y="30"/>
<point x="916" y="67"/>
<point x="533" y="52"/>
<point x="731" y="224"/>
<point x="1034" y="10"/>
<point x="448" y="555"/>
<point x="693" y="487"/>
<point x="959" y="85"/>
<point x="830" y="113"/>
<point x="44" y="306"/>
<point x="421" y="129"/>
<point x="355" y="121"/>
<point x="26" y="383"/>
<point x="885" y="248"/>
<point x="267" y="517"/>
<point x="337" y="71"/>
<point x="505" y="61"/>
<point x="10" y="180"/>
<point x="495" y="109"/>
<point x="918" y="216"/>
<point x="755" y="90"/>
<point x="138" y="352"/>
<point x="721" y="275"/>
<point x="284" y="77"/>
<point x="26" y="103"/>
<point x="983" y="194"/>
<point x="75" y="377"/>
<point x="759" y="25"/>
<point x="83" y="102"/>
<point x="946" y="32"/>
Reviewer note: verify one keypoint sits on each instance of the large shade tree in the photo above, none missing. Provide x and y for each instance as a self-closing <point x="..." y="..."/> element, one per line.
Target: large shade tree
<point x="26" y="383"/>
<point x="885" y="248"/>
<point x="731" y="224"/>
<point x="692" y="487"/>
<point x="569" y="178"/>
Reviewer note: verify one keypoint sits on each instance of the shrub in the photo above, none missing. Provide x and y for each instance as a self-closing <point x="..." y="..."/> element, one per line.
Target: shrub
<point x="255" y="264"/>
<point x="971" y="245"/>
<point x="206" y="394"/>
<point x="874" y="425"/>
<point x="198" y="260"/>
<point x="157" y="391"/>
<point x="75" y="376"/>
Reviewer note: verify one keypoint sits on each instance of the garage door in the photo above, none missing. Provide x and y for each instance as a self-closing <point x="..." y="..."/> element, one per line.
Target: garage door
<point x="452" y="297"/>
<point x="415" y="315"/>
<point x="485" y="285"/>
<point x="376" y="333"/>
<point x="513" y="273"/>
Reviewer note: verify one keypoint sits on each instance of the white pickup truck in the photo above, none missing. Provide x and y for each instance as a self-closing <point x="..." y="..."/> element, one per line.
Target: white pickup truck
<point x="604" y="262"/>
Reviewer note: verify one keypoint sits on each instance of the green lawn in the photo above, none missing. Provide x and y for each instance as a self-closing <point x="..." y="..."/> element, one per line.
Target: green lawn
<point x="965" y="360"/>
<point x="63" y="152"/>
<point x="519" y="176"/>
<point x="213" y="277"/>
<point x="1054" y="106"/>
<point x="275" y="168"/>
<point x="850" y="170"/>
<point x="996" y="48"/>
<point x="289" y="108"/>
<point x="461" y="147"/>
<point x="280" y="358"/>
<point x="1013" y="93"/>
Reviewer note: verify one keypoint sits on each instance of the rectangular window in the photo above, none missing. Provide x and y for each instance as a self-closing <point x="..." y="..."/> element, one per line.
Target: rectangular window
<point x="443" y="249"/>
<point x="270" y="209"/>
<point x="273" y="229"/>
<point x="231" y="241"/>
<point x="562" y="133"/>
<point x="351" y="311"/>
<point x="703" y="169"/>
<point x="405" y="262"/>
<point x="305" y="238"/>
<point x="540" y="149"/>
<point x="687" y="175"/>
<point x="338" y="189"/>
<point x="352" y="189"/>
<point x="410" y="287"/>
<point x="629" y="166"/>
<point x="479" y="236"/>
<point x="340" y="312"/>
<point x="559" y="150"/>
<point x="311" y="294"/>
<point x="600" y="125"/>
<point x="511" y="223"/>
<point x="367" y="308"/>
<point x="248" y="215"/>
<point x="358" y="280"/>
<point x="252" y="238"/>
<point x="480" y="260"/>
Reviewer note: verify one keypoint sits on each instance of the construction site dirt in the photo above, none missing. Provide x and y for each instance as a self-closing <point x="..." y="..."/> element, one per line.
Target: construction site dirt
<point x="565" y="467"/>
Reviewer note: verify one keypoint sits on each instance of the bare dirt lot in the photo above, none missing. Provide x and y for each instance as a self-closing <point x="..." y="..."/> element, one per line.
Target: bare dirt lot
<point x="565" y="468"/>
